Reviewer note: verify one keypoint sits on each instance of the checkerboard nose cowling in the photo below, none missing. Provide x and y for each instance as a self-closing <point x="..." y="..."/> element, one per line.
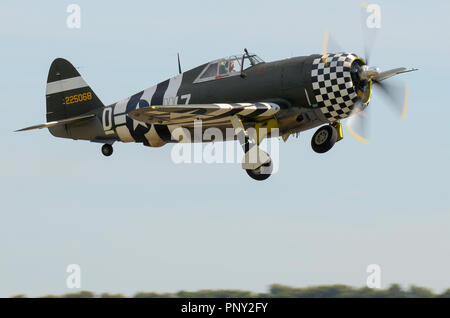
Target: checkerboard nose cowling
<point x="332" y="85"/>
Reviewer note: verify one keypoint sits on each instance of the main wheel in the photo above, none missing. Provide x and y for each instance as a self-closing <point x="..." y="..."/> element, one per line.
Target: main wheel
<point x="107" y="150"/>
<point x="324" y="139"/>
<point x="262" y="173"/>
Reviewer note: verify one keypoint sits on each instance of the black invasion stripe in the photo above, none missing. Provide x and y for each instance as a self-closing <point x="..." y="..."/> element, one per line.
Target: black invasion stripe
<point x="137" y="135"/>
<point x="163" y="132"/>
<point x="233" y="111"/>
<point x="132" y="103"/>
<point x="258" y="112"/>
<point x="161" y="89"/>
<point x="200" y="111"/>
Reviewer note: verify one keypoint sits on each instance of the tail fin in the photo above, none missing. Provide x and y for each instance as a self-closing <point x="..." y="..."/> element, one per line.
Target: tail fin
<point x="71" y="104"/>
<point x="68" y="95"/>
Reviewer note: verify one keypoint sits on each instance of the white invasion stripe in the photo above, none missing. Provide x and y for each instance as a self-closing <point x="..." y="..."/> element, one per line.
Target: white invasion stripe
<point x="227" y="106"/>
<point x="153" y="138"/>
<point x="172" y="90"/>
<point x="223" y="108"/>
<point x="124" y="134"/>
<point x="307" y="97"/>
<point x="248" y="110"/>
<point x="148" y="94"/>
<point x="177" y="132"/>
<point x="120" y="120"/>
<point x="65" y="85"/>
<point x="271" y="109"/>
<point x="121" y="106"/>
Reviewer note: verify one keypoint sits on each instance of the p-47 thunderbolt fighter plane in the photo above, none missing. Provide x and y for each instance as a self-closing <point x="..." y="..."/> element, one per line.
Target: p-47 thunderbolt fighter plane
<point x="238" y="92"/>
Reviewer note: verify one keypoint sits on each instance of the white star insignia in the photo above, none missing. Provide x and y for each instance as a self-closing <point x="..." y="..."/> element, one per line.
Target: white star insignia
<point x="137" y="123"/>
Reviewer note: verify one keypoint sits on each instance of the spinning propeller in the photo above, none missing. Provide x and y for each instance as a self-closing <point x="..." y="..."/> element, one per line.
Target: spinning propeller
<point x="368" y="76"/>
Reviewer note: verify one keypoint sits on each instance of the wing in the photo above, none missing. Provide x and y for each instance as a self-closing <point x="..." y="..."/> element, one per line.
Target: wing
<point x="209" y="114"/>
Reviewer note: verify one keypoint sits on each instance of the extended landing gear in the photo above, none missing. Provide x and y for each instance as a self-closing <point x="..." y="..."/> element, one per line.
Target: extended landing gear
<point x="324" y="139"/>
<point x="107" y="150"/>
<point x="326" y="136"/>
<point x="256" y="162"/>
<point x="261" y="173"/>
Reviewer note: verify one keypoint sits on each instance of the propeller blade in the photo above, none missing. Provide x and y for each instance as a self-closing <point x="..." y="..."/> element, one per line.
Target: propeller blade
<point x="358" y="123"/>
<point x="370" y="25"/>
<point x="387" y="74"/>
<point x="329" y="45"/>
<point x="405" y="103"/>
<point x="397" y="96"/>
<point x="325" y="47"/>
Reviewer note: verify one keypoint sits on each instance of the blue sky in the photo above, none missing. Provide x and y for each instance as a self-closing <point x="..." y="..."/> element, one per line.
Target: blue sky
<point x="137" y="222"/>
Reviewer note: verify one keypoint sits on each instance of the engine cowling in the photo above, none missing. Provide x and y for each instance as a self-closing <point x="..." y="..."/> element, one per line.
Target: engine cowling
<point x="338" y="86"/>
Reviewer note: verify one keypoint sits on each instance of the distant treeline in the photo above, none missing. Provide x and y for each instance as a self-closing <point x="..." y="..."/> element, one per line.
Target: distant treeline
<point x="280" y="291"/>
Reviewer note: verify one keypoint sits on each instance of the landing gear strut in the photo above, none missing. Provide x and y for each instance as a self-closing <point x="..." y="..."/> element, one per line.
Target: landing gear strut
<point x="324" y="139"/>
<point x="107" y="150"/>
<point x="256" y="162"/>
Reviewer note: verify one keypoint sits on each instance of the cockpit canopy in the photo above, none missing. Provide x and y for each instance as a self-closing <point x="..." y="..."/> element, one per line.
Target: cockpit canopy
<point x="226" y="67"/>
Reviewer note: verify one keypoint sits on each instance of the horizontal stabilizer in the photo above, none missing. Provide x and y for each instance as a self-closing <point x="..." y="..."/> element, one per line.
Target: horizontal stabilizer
<point x="59" y="122"/>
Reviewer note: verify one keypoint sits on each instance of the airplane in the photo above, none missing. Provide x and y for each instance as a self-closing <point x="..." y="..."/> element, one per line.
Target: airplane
<point x="239" y="92"/>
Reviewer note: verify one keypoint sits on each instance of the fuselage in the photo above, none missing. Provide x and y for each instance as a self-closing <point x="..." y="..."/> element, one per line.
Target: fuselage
<point x="298" y="85"/>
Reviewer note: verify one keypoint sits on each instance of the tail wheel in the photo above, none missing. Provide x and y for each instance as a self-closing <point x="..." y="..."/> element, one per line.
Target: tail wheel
<point x="262" y="173"/>
<point x="324" y="139"/>
<point x="107" y="150"/>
